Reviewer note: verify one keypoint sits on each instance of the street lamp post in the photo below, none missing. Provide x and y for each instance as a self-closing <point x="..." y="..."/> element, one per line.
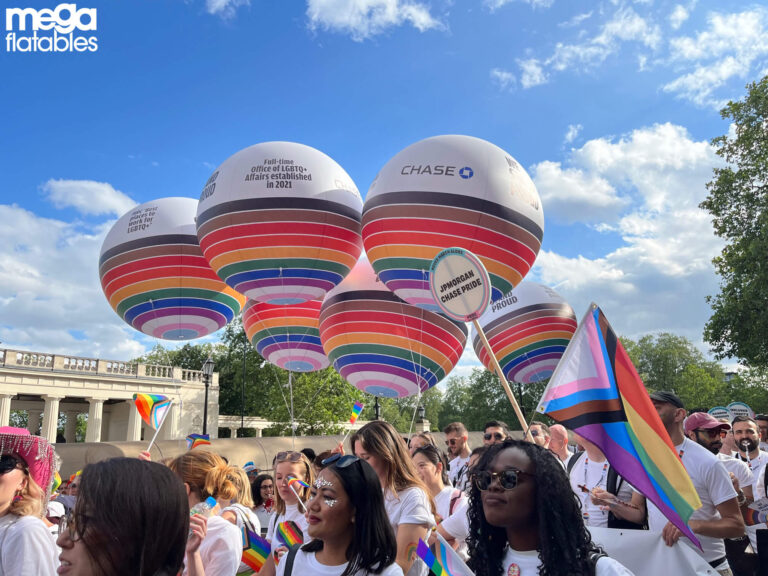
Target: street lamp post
<point x="207" y="374"/>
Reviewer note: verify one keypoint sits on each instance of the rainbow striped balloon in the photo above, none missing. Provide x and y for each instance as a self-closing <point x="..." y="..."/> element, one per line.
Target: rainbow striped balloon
<point x="383" y="345"/>
<point x="280" y="222"/>
<point x="450" y="191"/>
<point x="155" y="277"/>
<point x="286" y="336"/>
<point x="528" y="331"/>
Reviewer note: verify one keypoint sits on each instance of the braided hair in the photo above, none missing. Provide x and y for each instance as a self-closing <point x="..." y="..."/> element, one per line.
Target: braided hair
<point x="564" y="543"/>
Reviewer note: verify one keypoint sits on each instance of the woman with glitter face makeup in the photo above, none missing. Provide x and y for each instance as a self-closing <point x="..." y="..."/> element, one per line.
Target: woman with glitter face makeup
<point x="351" y="533"/>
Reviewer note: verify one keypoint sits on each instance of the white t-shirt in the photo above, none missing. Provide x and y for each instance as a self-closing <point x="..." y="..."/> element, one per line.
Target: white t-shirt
<point x="27" y="548"/>
<point x="739" y="469"/>
<point x="306" y="563"/>
<point x="243" y="513"/>
<point x="264" y="517"/>
<point x="221" y="549"/>
<point x="458" y="528"/>
<point x="445" y="497"/>
<point x="292" y="512"/>
<point x="756" y="464"/>
<point x="458" y="472"/>
<point x="713" y="485"/>
<point x="594" y="474"/>
<point x="528" y="562"/>
<point x="410" y="506"/>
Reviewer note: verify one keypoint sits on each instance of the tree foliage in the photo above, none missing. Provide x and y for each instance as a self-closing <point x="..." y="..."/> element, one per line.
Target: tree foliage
<point x="738" y="203"/>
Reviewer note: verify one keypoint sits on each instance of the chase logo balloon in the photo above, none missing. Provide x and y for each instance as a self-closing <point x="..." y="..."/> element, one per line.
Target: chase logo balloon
<point x="155" y="277"/>
<point x="383" y="345"/>
<point x="280" y="222"/>
<point x="450" y="191"/>
<point x="528" y="330"/>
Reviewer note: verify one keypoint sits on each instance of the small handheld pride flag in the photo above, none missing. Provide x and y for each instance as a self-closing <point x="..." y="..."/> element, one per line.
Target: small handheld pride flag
<point x="152" y="408"/>
<point x="447" y="563"/>
<point x="292" y="481"/>
<point x="356" y="410"/>
<point x="195" y="440"/>
<point x="255" y="550"/>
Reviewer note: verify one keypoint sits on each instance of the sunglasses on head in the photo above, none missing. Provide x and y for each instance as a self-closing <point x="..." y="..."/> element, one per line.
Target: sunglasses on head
<point x="8" y="463"/>
<point x="497" y="435"/>
<point x="340" y="461"/>
<point x="508" y="478"/>
<point x="288" y="456"/>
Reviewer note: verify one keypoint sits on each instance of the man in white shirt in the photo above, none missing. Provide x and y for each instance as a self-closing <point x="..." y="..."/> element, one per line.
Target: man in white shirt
<point x="456" y="441"/>
<point x="762" y="423"/>
<point x="719" y="516"/>
<point x="747" y="437"/>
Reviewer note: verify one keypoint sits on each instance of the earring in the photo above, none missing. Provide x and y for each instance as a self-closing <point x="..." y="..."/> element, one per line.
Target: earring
<point x="18" y="496"/>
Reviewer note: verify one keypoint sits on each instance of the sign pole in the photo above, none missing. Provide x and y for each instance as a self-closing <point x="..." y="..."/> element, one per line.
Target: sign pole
<point x="504" y="383"/>
<point x="461" y="288"/>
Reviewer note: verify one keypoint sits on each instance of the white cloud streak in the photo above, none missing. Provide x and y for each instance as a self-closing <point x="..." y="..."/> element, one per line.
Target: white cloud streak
<point x="88" y="197"/>
<point x="363" y="19"/>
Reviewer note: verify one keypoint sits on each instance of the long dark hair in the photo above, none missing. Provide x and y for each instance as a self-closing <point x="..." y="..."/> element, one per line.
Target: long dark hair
<point x="133" y="517"/>
<point x="373" y="546"/>
<point x="435" y="456"/>
<point x="564" y="542"/>
<point x="256" y="488"/>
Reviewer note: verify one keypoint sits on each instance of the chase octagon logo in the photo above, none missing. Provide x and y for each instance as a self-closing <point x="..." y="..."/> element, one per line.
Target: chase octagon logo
<point x="64" y="28"/>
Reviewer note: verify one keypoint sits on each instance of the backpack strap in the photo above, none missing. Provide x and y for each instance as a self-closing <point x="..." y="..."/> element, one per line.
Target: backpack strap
<point x="290" y="557"/>
<point x="593" y="558"/>
<point x="572" y="461"/>
<point x="455" y="496"/>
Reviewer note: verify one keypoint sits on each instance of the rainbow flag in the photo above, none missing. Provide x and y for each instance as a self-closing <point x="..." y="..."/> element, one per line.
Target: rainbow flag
<point x="56" y="482"/>
<point x="255" y="550"/>
<point x="195" y="440"/>
<point x="449" y="559"/>
<point x="152" y="408"/>
<point x="356" y="410"/>
<point x="292" y="481"/>
<point x="288" y="534"/>
<point x="596" y="392"/>
<point x="423" y="552"/>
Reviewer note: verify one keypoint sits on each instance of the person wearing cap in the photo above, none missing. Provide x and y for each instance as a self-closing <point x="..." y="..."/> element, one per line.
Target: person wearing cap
<point x="708" y="431"/>
<point x="719" y="516"/>
<point x="26" y="471"/>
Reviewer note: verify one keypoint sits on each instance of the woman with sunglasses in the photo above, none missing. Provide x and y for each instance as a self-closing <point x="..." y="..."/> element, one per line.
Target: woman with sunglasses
<point x="450" y="502"/>
<point x="26" y="471"/>
<point x="205" y="474"/>
<point x="263" y="493"/>
<point x="350" y="531"/>
<point x="409" y="507"/>
<point x="288" y="465"/>
<point x="132" y="517"/>
<point x="525" y="519"/>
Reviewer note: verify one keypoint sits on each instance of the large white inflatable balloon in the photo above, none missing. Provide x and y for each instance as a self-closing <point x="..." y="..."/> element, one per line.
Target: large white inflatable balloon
<point x="280" y="222"/>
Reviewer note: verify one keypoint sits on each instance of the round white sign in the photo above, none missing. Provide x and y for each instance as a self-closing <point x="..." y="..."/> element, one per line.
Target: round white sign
<point x="460" y="284"/>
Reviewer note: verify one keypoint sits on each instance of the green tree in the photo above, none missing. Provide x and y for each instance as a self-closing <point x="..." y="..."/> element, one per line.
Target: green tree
<point x="738" y="203"/>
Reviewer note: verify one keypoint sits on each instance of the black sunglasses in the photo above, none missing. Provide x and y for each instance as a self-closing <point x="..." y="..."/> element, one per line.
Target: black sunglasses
<point x="9" y="463"/>
<point x="497" y="435"/>
<point x="507" y="478"/>
<point x="340" y="461"/>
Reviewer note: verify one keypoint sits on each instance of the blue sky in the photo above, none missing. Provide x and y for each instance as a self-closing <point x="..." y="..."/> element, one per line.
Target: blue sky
<point x="609" y="105"/>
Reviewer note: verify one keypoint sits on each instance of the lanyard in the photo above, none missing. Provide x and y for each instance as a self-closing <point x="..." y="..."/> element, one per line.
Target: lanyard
<point x="586" y="495"/>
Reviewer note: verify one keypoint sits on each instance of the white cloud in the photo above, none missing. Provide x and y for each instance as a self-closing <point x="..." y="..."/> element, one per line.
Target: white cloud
<point x="225" y="8"/>
<point x="658" y="276"/>
<point x="576" y="20"/>
<point x="532" y="73"/>
<point x="731" y="46"/>
<point x="573" y="132"/>
<point x="88" y="197"/>
<point x="503" y="78"/>
<point x="573" y="195"/>
<point x="50" y="292"/>
<point x="679" y="15"/>
<point x="496" y="4"/>
<point x="363" y="19"/>
<point x="624" y="25"/>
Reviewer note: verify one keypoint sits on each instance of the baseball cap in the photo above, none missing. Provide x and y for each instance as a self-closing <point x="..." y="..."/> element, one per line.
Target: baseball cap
<point x="703" y="421"/>
<point x="667" y="398"/>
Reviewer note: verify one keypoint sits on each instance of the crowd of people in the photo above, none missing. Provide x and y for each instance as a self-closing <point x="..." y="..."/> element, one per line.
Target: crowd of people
<point x="509" y="507"/>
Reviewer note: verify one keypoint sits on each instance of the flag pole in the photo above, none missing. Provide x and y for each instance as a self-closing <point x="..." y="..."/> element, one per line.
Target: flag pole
<point x="504" y="383"/>
<point x="157" y="431"/>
